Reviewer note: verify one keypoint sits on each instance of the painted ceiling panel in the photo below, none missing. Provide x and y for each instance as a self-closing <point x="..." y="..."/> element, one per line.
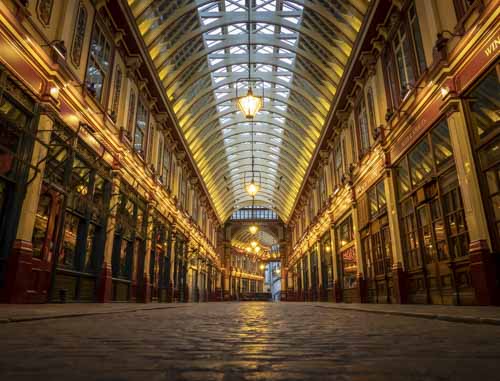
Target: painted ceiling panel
<point x="298" y="50"/>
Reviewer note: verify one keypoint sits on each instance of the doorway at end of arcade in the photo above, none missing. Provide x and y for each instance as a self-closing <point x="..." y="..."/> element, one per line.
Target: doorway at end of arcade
<point x="272" y="279"/>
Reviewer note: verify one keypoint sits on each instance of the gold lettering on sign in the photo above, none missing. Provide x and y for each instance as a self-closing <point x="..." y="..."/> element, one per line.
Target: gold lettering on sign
<point x="491" y="48"/>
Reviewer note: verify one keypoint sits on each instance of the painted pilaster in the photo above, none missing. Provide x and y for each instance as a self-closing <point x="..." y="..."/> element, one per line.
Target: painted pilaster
<point x="482" y="264"/>
<point x="20" y="261"/>
<point x="398" y="265"/>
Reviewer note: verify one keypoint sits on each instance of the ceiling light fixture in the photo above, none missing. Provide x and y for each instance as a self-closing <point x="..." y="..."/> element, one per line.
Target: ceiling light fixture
<point x="250" y="104"/>
<point x="253" y="229"/>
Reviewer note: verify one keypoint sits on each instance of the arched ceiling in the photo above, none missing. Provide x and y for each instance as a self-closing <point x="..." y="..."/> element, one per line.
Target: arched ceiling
<point x="263" y="237"/>
<point x="299" y="48"/>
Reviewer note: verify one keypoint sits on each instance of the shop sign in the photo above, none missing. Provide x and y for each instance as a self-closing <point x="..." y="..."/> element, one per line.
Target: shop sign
<point x="370" y="178"/>
<point x="417" y="129"/>
<point x="482" y="59"/>
<point x="16" y="63"/>
<point x="349" y="254"/>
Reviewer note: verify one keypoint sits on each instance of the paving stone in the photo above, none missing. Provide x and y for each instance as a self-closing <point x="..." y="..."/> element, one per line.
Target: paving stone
<point x="248" y="341"/>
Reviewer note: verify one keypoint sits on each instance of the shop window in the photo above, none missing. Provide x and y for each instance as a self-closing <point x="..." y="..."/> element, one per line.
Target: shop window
<point x="141" y="129"/>
<point x="79" y="35"/>
<point x="72" y="228"/>
<point x="432" y="220"/>
<point x="484" y="104"/>
<point x="41" y="225"/>
<point x="376" y="199"/>
<point x="420" y="162"/>
<point x="441" y="144"/>
<point x="89" y="264"/>
<point x="98" y="65"/>
<point x="345" y="232"/>
<point x="408" y="229"/>
<point x="80" y="177"/>
<point x="3" y="196"/>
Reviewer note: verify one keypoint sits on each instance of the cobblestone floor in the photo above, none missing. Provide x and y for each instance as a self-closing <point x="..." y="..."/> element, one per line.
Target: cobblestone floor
<point x="248" y="341"/>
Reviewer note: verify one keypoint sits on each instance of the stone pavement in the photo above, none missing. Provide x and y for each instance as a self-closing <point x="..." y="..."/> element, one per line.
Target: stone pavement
<point x="248" y="341"/>
<point x="10" y="313"/>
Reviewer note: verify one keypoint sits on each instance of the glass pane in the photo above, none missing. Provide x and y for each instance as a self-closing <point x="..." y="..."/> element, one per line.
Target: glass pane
<point x="485" y="105"/>
<point x="402" y="178"/>
<point x="441" y="144"/>
<point x="41" y="224"/>
<point x="490" y="155"/>
<point x="381" y="194"/>
<point x="417" y="37"/>
<point x="3" y="195"/>
<point x="88" y="265"/>
<point x="372" y="200"/>
<point x="493" y="177"/>
<point x="68" y="254"/>
<point x="420" y="162"/>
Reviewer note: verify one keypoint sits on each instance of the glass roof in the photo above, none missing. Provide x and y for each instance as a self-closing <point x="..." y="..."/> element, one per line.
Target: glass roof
<point x="298" y="50"/>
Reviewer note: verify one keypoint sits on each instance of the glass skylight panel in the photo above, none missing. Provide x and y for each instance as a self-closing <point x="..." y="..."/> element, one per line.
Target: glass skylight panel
<point x="294" y="20"/>
<point x="265" y="28"/>
<point x="234" y="5"/>
<point x="209" y="20"/>
<point x="266" y="6"/>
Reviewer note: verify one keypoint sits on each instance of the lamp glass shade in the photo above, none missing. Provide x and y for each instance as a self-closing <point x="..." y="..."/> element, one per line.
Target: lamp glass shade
<point x="252" y="188"/>
<point x="250" y="105"/>
<point x="253" y="229"/>
<point x="257" y="249"/>
<point x="253" y="244"/>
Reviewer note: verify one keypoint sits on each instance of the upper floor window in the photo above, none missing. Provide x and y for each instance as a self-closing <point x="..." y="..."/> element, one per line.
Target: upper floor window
<point x="79" y="35"/>
<point x="322" y="190"/>
<point x="141" y="129"/>
<point x="98" y="66"/>
<point x="405" y="57"/>
<point x="463" y="8"/>
<point x="338" y="165"/>
<point x="131" y="111"/>
<point x="371" y="108"/>
<point x="44" y="10"/>
<point x="165" y="171"/>
<point x="117" y="89"/>
<point x="362" y="120"/>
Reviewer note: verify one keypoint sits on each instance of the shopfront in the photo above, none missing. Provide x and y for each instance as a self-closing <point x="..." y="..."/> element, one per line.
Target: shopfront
<point x="73" y="208"/>
<point x="326" y="267"/>
<point x="482" y="103"/>
<point x="305" y="277"/>
<point x="158" y="255"/>
<point x="180" y="268"/>
<point x="376" y="243"/>
<point x="17" y="130"/>
<point x="314" y="274"/>
<point x="129" y="243"/>
<point x="348" y="264"/>
<point x="433" y="229"/>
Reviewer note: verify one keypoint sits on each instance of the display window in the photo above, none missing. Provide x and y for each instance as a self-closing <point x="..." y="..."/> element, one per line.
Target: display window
<point x="347" y="253"/>
<point x="432" y="221"/>
<point x="482" y="105"/>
